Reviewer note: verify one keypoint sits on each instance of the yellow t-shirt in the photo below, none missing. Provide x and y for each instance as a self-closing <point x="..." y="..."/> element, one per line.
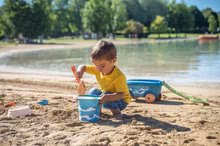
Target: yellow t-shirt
<point x="115" y="82"/>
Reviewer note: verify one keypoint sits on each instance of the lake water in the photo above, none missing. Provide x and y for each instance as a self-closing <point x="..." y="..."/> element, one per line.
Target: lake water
<point x="175" y="60"/>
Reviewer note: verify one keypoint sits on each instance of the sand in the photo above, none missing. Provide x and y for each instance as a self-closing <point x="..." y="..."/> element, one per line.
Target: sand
<point x="171" y="121"/>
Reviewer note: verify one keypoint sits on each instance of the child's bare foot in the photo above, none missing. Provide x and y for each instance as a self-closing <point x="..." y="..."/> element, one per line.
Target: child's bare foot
<point x="118" y="116"/>
<point x="104" y="116"/>
<point x="121" y="116"/>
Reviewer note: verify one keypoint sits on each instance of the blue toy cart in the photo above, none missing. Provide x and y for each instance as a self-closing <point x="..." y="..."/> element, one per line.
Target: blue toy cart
<point x="150" y="89"/>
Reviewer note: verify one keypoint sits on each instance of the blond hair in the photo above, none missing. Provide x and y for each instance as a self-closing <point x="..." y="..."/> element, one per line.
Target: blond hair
<point x="104" y="50"/>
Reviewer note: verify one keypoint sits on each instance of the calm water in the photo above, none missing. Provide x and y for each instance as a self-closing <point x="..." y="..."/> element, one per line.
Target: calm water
<point x="178" y="61"/>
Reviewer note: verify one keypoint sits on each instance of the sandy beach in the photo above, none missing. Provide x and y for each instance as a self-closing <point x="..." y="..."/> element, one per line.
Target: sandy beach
<point x="172" y="121"/>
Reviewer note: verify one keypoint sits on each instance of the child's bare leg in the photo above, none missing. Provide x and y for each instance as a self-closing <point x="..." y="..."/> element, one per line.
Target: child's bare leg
<point x="116" y="113"/>
<point x="103" y="115"/>
<point x="100" y="111"/>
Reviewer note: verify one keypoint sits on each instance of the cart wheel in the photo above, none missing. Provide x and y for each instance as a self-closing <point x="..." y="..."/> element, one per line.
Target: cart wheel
<point x="149" y="98"/>
<point x="159" y="97"/>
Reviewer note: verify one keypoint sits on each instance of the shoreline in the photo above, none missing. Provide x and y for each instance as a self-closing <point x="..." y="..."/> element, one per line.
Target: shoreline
<point x="171" y="121"/>
<point x="82" y="44"/>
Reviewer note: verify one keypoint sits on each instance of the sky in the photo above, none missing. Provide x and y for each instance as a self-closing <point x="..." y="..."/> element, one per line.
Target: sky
<point x="202" y="4"/>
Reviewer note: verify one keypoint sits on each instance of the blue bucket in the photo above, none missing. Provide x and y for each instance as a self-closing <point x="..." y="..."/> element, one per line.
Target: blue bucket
<point x="89" y="108"/>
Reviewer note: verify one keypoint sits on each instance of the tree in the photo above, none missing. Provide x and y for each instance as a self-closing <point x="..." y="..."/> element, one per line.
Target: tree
<point x="179" y="17"/>
<point x="145" y="11"/>
<point x="159" y="25"/>
<point x="40" y="21"/>
<point x="118" y="16"/>
<point x="153" y="8"/>
<point x="134" y="10"/>
<point x="60" y="18"/>
<point x="199" y="21"/>
<point x="212" y="24"/>
<point x="96" y="16"/>
<point x="219" y="22"/>
<point x="1" y="24"/>
<point x="209" y="12"/>
<point x="134" y="27"/>
<point x="27" y="19"/>
<point x="10" y="14"/>
<point x="6" y="25"/>
<point x="75" y="9"/>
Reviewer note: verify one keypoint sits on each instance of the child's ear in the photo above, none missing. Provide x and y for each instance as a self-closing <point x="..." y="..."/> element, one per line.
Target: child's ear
<point x="114" y="60"/>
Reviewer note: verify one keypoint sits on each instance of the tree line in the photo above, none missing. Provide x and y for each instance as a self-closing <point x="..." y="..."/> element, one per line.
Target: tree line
<point x="31" y="19"/>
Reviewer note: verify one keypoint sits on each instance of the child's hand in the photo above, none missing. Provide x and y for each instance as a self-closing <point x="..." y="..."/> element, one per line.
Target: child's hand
<point x="81" y="89"/>
<point x="104" y="98"/>
<point x="79" y="74"/>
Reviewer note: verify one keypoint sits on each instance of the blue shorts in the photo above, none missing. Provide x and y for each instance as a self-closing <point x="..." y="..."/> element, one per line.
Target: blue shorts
<point x="118" y="104"/>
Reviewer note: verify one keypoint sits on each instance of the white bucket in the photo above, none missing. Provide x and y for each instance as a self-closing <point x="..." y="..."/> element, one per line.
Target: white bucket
<point x="19" y="111"/>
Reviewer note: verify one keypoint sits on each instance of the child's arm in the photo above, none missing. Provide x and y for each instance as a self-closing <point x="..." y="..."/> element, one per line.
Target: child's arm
<point x="111" y="97"/>
<point x="80" y="71"/>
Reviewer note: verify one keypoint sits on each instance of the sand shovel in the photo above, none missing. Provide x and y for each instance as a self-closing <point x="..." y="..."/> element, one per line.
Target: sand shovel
<point x="73" y="68"/>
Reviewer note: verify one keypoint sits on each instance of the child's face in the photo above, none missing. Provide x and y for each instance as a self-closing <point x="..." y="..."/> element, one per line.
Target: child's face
<point x="104" y="66"/>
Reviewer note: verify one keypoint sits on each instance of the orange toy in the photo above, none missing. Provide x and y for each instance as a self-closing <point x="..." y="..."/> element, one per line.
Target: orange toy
<point x="80" y="91"/>
<point x="149" y="98"/>
<point x="9" y="104"/>
<point x="73" y="68"/>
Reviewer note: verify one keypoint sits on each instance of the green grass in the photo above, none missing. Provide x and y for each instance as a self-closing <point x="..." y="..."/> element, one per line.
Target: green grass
<point x="69" y="39"/>
<point x="173" y="35"/>
<point x="72" y="40"/>
<point x="2" y="44"/>
<point x="64" y="40"/>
